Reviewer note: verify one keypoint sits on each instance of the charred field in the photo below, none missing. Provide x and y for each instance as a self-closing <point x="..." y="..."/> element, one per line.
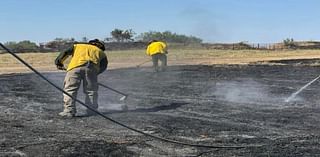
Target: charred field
<point x="221" y="105"/>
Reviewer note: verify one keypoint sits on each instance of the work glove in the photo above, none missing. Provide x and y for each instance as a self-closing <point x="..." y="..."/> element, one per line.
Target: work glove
<point x="60" y="66"/>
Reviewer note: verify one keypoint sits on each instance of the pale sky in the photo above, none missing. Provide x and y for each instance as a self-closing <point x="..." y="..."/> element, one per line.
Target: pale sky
<point x="255" y="21"/>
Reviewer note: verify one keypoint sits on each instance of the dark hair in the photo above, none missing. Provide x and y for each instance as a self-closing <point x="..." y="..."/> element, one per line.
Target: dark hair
<point x="98" y="43"/>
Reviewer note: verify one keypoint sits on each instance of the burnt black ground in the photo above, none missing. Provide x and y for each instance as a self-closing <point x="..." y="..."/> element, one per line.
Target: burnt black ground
<point x="239" y="105"/>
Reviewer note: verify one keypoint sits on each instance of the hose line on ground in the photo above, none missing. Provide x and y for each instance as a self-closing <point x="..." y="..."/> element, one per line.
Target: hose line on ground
<point x="110" y="119"/>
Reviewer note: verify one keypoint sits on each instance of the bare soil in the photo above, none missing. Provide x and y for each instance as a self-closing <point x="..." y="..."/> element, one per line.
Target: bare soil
<point x="220" y="105"/>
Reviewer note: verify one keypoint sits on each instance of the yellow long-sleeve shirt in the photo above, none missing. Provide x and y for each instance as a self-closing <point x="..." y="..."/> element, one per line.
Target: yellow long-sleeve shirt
<point x="81" y="54"/>
<point x="156" y="47"/>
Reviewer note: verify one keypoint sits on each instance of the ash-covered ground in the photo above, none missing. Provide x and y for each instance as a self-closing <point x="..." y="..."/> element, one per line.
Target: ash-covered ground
<point x="222" y="105"/>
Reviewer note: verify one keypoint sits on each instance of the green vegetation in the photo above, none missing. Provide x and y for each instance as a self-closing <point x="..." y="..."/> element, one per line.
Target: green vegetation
<point x="119" y="35"/>
<point x="60" y="44"/>
<point x="168" y="37"/>
<point x="289" y="43"/>
<point x="22" y="46"/>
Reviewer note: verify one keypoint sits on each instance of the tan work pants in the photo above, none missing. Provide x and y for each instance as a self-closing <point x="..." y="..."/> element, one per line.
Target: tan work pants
<point x="72" y="82"/>
<point x="155" y="59"/>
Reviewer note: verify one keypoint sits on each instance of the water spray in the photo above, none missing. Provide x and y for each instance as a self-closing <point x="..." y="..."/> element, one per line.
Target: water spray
<point x="301" y="89"/>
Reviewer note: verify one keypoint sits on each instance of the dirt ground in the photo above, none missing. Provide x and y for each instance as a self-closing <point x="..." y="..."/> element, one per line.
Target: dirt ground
<point x="223" y="105"/>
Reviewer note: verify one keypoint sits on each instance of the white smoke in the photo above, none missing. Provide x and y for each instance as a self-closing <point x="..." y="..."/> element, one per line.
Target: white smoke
<point x="243" y="91"/>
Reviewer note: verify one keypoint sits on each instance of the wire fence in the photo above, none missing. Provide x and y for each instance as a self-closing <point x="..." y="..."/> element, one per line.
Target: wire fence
<point x="263" y="46"/>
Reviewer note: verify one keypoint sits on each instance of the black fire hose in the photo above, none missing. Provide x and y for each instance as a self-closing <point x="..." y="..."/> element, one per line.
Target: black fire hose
<point x="110" y="119"/>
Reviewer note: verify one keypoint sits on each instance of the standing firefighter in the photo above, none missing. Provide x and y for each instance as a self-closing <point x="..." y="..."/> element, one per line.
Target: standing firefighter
<point x="158" y="50"/>
<point x="87" y="62"/>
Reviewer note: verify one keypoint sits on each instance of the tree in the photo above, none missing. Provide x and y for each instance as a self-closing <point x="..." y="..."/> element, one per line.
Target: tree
<point x="168" y="37"/>
<point x="60" y="44"/>
<point x="121" y="35"/>
<point x="289" y="43"/>
<point x="116" y="34"/>
<point x="127" y="35"/>
<point x="84" y="39"/>
<point x="22" y="46"/>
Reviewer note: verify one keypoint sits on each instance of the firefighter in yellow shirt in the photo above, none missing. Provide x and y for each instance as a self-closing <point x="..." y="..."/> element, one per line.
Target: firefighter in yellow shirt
<point x="87" y="62"/>
<point x="158" y="51"/>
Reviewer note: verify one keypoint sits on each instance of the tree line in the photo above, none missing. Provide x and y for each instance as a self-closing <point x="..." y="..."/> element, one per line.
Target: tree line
<point x="117" y="35"/>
